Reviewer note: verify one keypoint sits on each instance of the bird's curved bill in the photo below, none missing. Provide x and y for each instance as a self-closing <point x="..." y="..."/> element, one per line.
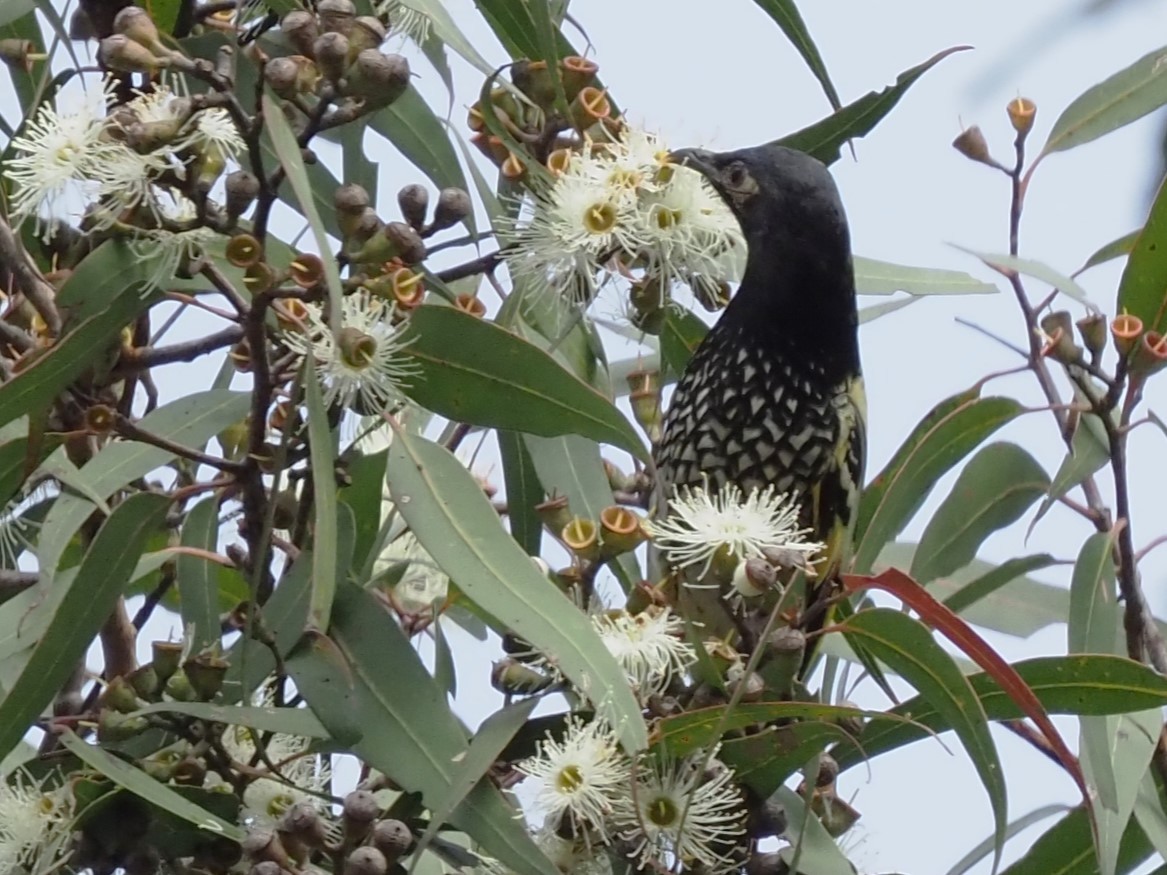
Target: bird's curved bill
<point x="700" y="160"/>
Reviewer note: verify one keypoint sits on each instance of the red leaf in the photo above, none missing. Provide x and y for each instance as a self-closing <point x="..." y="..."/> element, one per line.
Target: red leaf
<point x="940" y="617"/>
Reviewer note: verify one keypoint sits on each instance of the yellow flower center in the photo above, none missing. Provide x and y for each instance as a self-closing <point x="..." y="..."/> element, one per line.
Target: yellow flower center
<point x="661" y="811"/>
<point x="569" y="779"/>
<point x="599" y="218"/>
<point x="667" y="219"/>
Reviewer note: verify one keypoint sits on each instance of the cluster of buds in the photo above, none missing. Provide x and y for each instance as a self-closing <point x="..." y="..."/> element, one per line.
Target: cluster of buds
<point x="366" y="843"/>
<point x="168" y="676"/>
<point x="1141" y="351"/>
<point x="338" y="58"/>
<point x="135" y="46"/>
<point x="527" y="111"/>
<point x="971" y="141"/>
<point x="618" y="530"/>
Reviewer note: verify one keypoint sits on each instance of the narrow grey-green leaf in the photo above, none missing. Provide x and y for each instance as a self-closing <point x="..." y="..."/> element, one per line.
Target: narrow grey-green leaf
<point x="493" y="735"/>
<point x="470" y="370"/>
<point x="993" y="490"/>
<point x="262" y="718"/>
<point x="817" y="852"/>
<point x="786" y="15"/>
<point x="94" y="590"/>
<point x="324" y="543"/>
<point x="1114" y="249"/>
<point x="448" y="513"/>
<point x="288" y="150"/>
<point x="410" y="733"/>
<point x="1114" y="102"/>
<point x="884" y="278"/>
<point x="909" y="649"/>
<point x="1009" y="263"/>
<point x="198" y="582"/>
<point x="140" y="784"/>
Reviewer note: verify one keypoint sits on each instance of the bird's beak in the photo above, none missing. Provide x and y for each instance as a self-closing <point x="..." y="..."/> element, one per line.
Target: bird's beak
<point x="701" y="160"/>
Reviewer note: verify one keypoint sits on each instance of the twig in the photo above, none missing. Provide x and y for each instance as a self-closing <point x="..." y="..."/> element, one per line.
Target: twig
<point x="483" y="264"/>
<point x="28" y="278"/>
<point x="130" y="431"/>
<point x="186" y="351"/>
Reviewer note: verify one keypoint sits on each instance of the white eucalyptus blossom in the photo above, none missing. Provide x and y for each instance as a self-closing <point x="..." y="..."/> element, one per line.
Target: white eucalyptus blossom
<point x="362" y="361"/>
<point x="170" y="248"/>
<point x="35" y="824"/>
<point x="701" y="525"/>
<point x="581" y="776"/>
<point x="649" y="646"/>
<point x="680" y="816"/>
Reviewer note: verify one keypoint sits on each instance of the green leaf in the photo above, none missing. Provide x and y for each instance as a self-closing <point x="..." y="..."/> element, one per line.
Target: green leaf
<point x="15" y="9"/>
<point x="876" y="311"/>
<point x="1142" y="291"/>
<point x="493" y="735"/>
<point x="444" y="26"/>
<point x="908" y="648"/>
<point x="93" y="591"/>
<point x="324" y="536"/>
<point x="991" y="581"/>
<point x="262" y="718"/>
<point x="1114" y="249"/>
<point x="948" y="433"/>
<point x="292" y="160"/>
<point x="1085" y="684"/>
<point x="189" y="421"/>
<point x="1067" y="848"/>
<point x="1089" y="452"/>
<point x="452" y="519"/>
<point x="410" y="125"/>
<point x="816" y="852"/>
<point x="680" y="336"/>
<point x="1150" y="815"/>
<point x="766" y="759"/>
<point x="571" y="466"/>
<point x="884" y="278"/>
<point x="104" y="294"/>
<point x="198" y="583"/>
<point x="470" y="370"/>
<point x="1007" y="264"/>
<point x="140" y="784"/>
<point x="524" y="492"/>
<point x="18" y="24"/>
<point x="365" y="496"/>
<point x="825" y="138"/>
<point x="410" y="733"/>
<point x="1093" y="622"/>
<point x="1120" y="99"/>
<point x="1016" y="827"/>
<point x="787" y="17"/>
<point x="993" y="490"/>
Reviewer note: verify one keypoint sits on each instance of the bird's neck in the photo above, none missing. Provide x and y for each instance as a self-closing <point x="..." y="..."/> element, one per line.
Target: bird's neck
<point x="800" y="301"/>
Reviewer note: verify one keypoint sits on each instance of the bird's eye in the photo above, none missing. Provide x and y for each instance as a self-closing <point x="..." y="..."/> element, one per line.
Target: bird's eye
<point x="736" y="175"/>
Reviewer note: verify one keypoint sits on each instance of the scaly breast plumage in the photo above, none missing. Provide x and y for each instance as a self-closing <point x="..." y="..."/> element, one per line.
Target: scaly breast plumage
<point x="755" y="422"/>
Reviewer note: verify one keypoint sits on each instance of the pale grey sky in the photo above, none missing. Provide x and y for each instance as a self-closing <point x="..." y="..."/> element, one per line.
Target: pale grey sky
<point x="722" y="75"/>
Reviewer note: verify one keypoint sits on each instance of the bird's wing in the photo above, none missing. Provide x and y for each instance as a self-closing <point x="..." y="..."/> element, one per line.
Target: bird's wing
<point x="835" y="497"/>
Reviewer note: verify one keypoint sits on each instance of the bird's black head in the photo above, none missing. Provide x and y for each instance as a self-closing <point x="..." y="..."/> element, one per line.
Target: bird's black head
<point x="796" y="231"/>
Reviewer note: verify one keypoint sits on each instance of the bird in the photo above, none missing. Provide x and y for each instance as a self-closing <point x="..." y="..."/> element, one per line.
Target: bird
<point x="774" y="396"/>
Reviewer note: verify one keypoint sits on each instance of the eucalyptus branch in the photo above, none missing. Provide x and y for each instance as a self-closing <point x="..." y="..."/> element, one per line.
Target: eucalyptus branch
<point x="143" y="357"/>
<point x="29" y="281"/>
<point x="130" y="431"/>
<point x="484" y="264"/>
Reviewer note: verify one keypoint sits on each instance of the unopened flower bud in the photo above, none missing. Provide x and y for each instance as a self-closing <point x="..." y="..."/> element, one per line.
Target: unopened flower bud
<point x="118" y="695"/>
<point x="368" y="33"/>
<point x="303" y="827"/>
<point x="453" y="206"/>
<point x="144" y="680"/>
<point x="1021" y="113"/>
<point x="377" y="78"/>
<point x="554" y="513"/>
<point x="206" y="673"/>
<point x="752" y="686"/>
<point x="413" y="201"/>
<point x="1126" y="330"/>
<point x="1059" y="330"/>
<point x="784" y="652"/>
<point x="1092" y="330"/>
<point x="359" y="810"/>
<point x="119" y="52"/>
<point x="534" y="80"/>
<point x="582" y="538"/>
<point x="754" y="577"/>
<point x="165" y="657"/>
<point x="113" y="726"/>
<point x="136" y="23"/>
<point x="852" y="724"/>
<point x="576" y="73"/>
<point x="365" y="861"/>
<point x="299" y="26"/>
<point x="263" y="844"/>
<point x="645" y="399"/>
<point x="972" y="145"/>
<point x="1150" y="354"/>
<point x="268" y="867"/>
<point x="392" y="838"/>
<point x="336" y="15"/>
<point x="828" y="771"/>
<point x="242" y="188"/>
<point x="331" y="53"/>
<point x="178" y="687"/>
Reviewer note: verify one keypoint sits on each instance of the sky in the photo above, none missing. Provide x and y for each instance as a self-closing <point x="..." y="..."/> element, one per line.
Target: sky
<point x="723" y="76"/>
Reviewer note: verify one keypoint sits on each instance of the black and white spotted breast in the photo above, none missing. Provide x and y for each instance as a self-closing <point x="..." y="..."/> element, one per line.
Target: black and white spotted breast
<point x="748" y="414"/>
